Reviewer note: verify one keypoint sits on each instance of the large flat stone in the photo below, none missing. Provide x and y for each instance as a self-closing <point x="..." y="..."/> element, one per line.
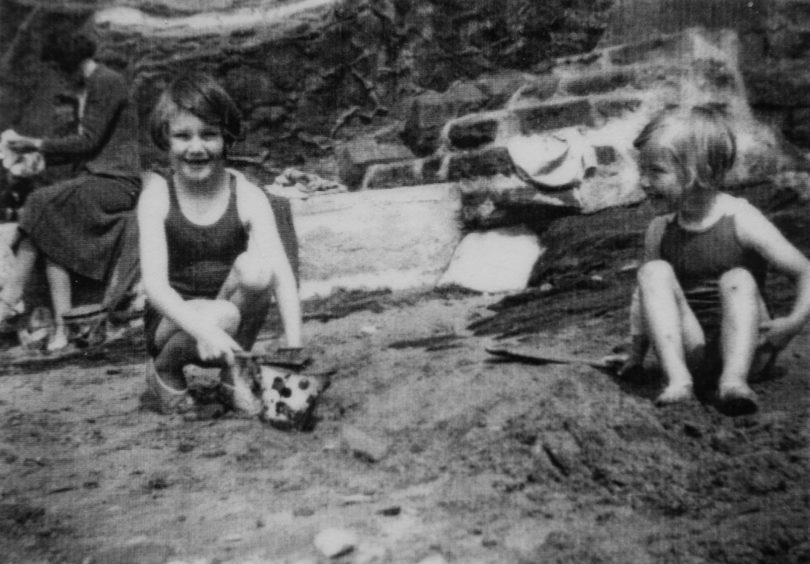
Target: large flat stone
<point x="399" y="238"/>
<point x="396" y="238"/>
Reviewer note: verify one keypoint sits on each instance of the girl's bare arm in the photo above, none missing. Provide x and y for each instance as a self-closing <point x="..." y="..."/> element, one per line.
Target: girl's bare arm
<point x="755" y="231"/>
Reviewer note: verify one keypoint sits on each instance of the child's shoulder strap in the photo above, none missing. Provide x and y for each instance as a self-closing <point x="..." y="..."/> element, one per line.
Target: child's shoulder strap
<point x="173" y="202"/>
<point x="654" y="235"/>
<point x="659" y="224"/>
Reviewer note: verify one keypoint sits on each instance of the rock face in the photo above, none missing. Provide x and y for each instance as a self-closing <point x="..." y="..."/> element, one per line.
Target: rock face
<point x="774" y="48"/>
<point x="305" y="72"/>
<point x="419" y="93"/>
<point x="606" y="95"/>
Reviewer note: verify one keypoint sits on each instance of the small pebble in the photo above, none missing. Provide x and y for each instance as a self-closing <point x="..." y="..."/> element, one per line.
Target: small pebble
<point x="692" y="430"/>
<point x="392" y="511"/>
<point x="362" y="444"/>
<point x="372" y="554"/>
<point x="333" y="542"/>
<point x="355" y="498"/>
<point x="433" y="559"/>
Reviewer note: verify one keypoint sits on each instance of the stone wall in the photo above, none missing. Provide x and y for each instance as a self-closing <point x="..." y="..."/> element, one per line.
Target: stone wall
<point x="306" y="74"/>
<point x="317" y="72"/>
<point x="605" y="96"/>
<point x="774" y="40"/>
<point x="421" y="96"/>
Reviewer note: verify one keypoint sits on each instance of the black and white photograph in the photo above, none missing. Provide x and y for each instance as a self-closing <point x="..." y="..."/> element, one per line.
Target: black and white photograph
<point x="404" y="281"/>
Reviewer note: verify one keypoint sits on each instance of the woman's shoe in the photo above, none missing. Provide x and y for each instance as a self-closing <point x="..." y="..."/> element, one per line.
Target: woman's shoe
<point x="169" y="400"/>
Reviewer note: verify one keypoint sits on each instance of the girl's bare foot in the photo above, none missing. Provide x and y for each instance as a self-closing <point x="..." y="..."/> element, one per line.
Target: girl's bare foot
<point x="737" y="399"/>
<point x="675" y="394"/>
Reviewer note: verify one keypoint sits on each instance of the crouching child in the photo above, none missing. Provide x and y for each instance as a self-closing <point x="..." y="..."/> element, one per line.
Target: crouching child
<point x="212" y="259"/>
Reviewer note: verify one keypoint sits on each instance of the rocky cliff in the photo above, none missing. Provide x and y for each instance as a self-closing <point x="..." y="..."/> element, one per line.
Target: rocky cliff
<point x="307" y="74"/>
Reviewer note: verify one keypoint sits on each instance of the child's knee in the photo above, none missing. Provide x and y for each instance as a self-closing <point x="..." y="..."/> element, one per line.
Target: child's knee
<point x="655" y="272"/>
<point x="227" y="316"/>
<point x="738" y="282"/>
<point x="251" y="274"/>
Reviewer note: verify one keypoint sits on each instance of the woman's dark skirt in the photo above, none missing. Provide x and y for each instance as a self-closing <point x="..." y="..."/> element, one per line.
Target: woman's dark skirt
<point x="78" y="223"/>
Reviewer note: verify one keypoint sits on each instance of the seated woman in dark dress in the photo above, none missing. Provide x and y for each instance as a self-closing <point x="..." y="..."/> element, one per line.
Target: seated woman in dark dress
<point x="77" y="224"/>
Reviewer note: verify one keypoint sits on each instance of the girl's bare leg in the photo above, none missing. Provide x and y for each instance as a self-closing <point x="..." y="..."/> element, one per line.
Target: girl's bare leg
<point x="738" y="338"/>
<point x="672" y="327"/>
<point x="177" y="348"/>
<point x="248" y="288"/>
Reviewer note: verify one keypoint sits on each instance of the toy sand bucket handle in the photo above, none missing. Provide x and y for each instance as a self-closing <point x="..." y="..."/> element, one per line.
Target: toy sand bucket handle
<point x="294" y="358"/>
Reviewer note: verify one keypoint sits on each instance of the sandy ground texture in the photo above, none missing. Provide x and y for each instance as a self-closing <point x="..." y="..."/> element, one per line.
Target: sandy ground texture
<point x="427" y="449"/>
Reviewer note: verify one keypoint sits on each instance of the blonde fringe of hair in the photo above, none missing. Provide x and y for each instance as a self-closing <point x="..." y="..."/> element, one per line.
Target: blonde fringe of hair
<point x="698" y="139"/>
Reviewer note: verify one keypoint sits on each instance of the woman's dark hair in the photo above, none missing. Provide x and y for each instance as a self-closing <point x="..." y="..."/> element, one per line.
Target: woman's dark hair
<point x="197" y="93"/>
<point x="68" y="50"/>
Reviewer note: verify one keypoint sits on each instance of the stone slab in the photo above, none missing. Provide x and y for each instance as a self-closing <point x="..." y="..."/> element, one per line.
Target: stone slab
<point x="397" y="238"/>
<point x="496" y="260"/>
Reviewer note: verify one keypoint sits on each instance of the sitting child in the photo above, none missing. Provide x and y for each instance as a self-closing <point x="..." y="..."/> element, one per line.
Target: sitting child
<point x="211" y="254"/>
<point x="699" y="293"/>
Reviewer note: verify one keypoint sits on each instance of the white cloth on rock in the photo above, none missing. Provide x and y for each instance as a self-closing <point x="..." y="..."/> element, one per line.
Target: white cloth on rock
<point x="23" y="165"/>
<point x="557" y="160"/>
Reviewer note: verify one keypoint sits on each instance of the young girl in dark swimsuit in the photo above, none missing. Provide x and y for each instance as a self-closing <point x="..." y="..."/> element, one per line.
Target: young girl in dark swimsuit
<point x="699" y="295"/>
<point x="211" y="255"/>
